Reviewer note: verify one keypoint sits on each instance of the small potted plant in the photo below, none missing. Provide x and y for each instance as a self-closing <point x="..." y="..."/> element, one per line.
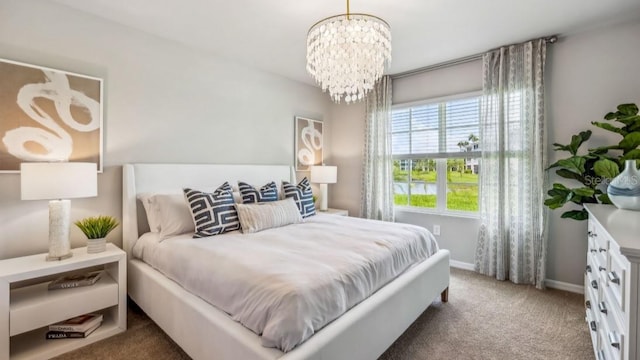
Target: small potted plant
<point x="96" y="229"/>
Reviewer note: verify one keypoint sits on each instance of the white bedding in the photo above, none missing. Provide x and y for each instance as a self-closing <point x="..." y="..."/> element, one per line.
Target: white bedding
<point x="286" y="283"/>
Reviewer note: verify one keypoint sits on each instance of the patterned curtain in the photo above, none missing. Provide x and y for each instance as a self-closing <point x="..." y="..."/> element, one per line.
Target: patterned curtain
<point x="377" y="178"/>
<point x="512" y="236"/>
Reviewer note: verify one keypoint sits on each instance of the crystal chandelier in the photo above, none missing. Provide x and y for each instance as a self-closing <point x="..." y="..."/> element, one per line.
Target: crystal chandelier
<point x="347" y="53"/>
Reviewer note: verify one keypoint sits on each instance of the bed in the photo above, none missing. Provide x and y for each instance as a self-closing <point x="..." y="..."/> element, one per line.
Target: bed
<point x="204" y="332"/>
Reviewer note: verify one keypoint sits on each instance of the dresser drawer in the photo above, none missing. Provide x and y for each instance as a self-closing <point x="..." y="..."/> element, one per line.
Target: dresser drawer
<point x="616" y="281"/>
<point x="611" y="338"/>
<point x="595" y="277"/>
<point x="599" y="246"/>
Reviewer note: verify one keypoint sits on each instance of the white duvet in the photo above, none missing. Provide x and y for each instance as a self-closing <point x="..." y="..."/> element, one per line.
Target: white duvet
<point x="286" y="283"/>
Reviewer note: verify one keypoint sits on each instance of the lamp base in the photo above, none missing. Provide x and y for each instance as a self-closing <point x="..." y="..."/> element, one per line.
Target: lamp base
<point x="324" y="197"/>
<point x="59" y="246"/>
<point x="58" y="258"/>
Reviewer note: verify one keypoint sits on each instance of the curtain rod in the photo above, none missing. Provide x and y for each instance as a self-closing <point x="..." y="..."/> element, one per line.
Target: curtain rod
<point x="549" y="39"/>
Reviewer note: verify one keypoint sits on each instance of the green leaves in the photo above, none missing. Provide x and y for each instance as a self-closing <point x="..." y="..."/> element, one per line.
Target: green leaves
<point x="576" y="141"/>
<point x="630" y="141"/>
<point x="97" y="227"/>
<point x="575" y="215"/>
<point x="598" y="164"/>
<point x="606" y="168"/>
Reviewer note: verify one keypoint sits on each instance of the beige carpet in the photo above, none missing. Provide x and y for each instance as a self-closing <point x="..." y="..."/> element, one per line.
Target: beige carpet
<point x="484" y="319"/>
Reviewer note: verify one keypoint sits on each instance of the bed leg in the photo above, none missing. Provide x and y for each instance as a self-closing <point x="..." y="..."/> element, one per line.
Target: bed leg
<point x="444" y="295"/>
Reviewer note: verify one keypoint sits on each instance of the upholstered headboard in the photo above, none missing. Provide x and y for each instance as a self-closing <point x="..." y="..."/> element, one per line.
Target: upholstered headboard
<point x="171" y="178"/>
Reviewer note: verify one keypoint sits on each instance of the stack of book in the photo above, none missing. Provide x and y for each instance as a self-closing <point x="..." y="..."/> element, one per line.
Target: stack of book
<point x="77" y="327"/>
<point x="71" y="281"/>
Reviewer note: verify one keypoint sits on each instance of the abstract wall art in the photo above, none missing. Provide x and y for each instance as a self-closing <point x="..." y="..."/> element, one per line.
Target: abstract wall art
<point x="308" y="144"/>
<point x="48" y="115"/>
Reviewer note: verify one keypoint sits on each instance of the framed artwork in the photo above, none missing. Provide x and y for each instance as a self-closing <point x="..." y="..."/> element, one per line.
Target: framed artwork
<point x="48" y="115"/>
<point x="308" y="147"/>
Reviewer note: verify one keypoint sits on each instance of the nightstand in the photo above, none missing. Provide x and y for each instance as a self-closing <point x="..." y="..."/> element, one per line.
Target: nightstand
<point x="340" y="212"/>
<point x="27" y="307"/>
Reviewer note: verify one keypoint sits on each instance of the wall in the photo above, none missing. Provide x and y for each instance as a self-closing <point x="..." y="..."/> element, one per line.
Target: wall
<point x="163" y="103"/>
<point x="589" y="73"/>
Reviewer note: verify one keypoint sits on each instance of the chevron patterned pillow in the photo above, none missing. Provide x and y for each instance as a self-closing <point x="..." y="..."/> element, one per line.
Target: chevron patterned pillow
<point x="302" y="195"/>
<point x="213" y="213"/>
<point x="249" y="194"/>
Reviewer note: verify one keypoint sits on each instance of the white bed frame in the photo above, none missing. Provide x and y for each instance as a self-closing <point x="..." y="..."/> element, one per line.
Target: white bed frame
<point x="204" y="332"/>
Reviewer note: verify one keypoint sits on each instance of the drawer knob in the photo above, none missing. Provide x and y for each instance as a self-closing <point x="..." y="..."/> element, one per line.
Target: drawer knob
<point x="602" y="268"/>
<point x="593" y="250"/>
<point x="588" y="268"/>
<point x="602" y="250"/>
<point x="613" y="339"/>
<point x="603" y="307"/>
<point x="592" y="324"/>
<point x="590" y="233"/>
<point x="588" y="304"/>
<point x="613" y="277"/>
<point x="594" y="284"/>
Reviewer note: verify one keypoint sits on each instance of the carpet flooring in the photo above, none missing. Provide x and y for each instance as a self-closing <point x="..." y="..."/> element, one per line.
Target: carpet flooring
<point x="484" y="319"/>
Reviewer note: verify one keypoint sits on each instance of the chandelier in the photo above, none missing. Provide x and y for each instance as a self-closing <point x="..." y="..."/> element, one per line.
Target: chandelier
<point x="347" y="53"/>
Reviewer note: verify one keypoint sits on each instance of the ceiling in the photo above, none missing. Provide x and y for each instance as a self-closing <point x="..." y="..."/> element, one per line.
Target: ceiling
<point x="271" y="35"/>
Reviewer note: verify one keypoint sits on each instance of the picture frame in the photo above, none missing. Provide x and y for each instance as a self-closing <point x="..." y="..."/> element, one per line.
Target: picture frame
<point x="49" y="115"/>
<point x="309" y="143"/>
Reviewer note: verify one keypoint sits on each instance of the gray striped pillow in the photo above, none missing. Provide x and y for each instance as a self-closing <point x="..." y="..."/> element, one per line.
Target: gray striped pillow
<point x="262" y="216"/>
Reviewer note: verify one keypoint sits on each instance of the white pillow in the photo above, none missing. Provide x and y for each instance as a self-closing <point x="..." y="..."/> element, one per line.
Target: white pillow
<point x="174" y="215"/>
<point x="261" y="216"/>
<point x="153" y="217"/>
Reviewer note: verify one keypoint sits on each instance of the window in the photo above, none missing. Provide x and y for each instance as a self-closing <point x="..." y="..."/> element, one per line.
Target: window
<point x="436" y="151"/>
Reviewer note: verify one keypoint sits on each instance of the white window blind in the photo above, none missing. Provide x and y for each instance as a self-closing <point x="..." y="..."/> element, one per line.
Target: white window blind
<point x="435" y="130"/>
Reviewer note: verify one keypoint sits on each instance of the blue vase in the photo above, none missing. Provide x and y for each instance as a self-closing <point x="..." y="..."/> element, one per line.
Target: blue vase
<point x="624" y="189"/>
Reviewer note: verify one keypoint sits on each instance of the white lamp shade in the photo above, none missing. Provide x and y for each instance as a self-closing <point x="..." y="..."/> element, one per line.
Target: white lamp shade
<point x="324" y="174"/>
<point x="59" y="180"/>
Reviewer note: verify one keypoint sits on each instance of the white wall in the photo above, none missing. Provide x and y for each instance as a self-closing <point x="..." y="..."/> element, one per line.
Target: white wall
<point x="163" y="103"/>
<point x="589" y="73"/>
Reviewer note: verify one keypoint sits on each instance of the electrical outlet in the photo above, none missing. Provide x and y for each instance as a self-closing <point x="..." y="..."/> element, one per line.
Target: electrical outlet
<point x="436" y="229"/>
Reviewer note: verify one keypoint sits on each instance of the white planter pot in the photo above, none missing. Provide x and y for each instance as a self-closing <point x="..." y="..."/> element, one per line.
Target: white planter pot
<point x="96" y="245"/>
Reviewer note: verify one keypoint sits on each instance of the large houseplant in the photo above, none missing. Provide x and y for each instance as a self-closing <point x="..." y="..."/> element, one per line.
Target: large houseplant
<point x="598" y="166"/>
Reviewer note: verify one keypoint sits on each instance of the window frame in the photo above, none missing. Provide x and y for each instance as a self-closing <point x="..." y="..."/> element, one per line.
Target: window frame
<point x="440" y="158"/>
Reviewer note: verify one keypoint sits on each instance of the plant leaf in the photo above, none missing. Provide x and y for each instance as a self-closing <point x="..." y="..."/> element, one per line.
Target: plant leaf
<point x="632" y="155"/>
<point x="606" y="168"/>
<point x="576" y="215"/>
<point x="628" y="109"/>
<point x="576" y="141"/>
<point x="630" y="141"/>
<point x="575" y="164"/>
<point x="569" y="175"/>
<point x="584" y="191"/>
<point x="609" y="127"/>
<point x="555" y="202"/>
<point x="604" y="199"/>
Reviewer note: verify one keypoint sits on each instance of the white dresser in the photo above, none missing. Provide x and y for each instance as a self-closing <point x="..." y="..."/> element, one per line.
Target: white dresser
<point x="612" y="282"/>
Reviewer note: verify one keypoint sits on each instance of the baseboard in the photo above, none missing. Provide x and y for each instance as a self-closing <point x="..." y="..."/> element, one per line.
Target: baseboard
<point x="561" y="285"/>
<point x="553" y="284"/>
<point x="461" y="265"/>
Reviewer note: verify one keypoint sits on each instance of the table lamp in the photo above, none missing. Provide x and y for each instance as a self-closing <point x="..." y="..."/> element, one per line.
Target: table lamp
<point x="324" y="175"/>
<point x="58" y="181"/>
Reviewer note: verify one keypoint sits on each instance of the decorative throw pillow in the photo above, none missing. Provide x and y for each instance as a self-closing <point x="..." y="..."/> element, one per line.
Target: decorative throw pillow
<point x="249" y="194"/>
<point x="212" y="213"/>
<point x="257" y="217"/>
<point x="302" y="195"/>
